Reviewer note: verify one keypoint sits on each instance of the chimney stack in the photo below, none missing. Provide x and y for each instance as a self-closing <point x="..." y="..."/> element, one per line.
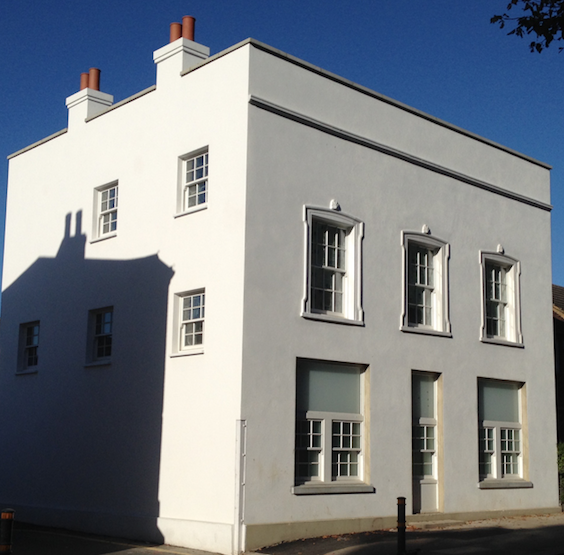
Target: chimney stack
<point x="88" y="101"/>
<point x="181" y="53"/>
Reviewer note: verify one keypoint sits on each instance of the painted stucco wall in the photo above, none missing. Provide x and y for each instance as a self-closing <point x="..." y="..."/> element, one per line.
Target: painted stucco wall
<point x="84" y="442"/>
<point x="292" y="165"/>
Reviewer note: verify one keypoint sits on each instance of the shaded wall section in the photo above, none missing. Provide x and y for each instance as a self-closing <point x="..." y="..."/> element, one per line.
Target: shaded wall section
<point x="81" y="444"/>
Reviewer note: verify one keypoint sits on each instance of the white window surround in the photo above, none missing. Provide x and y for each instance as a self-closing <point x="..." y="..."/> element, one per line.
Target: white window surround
<point x="437" y="295"/>
<point x="330" y="444"/>
<point x="501" y="442"/>
<point x="104" y="221"/>
<point x="509" y="306"/>
<point x="193" y="182"/>
<point x="350" y="274"/>
<point x="28" y="348"/>
<point x="188" y="316"/>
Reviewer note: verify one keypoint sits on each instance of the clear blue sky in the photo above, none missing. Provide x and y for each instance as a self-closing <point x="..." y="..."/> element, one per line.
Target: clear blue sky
<point x="440" y="56"/>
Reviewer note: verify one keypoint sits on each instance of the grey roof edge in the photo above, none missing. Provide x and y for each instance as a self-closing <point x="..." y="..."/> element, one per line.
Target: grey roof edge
<point x="37" y="143"/>
<point x="324" y="73"/>
<point x="388" y="100"/>
<point x="109" y="109"/>
<point x="124" y="101"/>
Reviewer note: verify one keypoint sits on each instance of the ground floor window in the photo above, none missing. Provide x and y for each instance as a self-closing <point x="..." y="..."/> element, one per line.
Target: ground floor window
<point x="329" y="422"/>
<point x="500" y="429"/>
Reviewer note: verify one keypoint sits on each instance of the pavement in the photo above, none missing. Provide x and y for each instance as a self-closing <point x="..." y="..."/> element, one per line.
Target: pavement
<point x="518" y="535"/>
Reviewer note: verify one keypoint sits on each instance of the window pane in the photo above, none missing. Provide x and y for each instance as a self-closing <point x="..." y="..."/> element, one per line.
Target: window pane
<point x="328" y="387"/>
<point x="423" y="394"/>
<point x="498" y="401"/>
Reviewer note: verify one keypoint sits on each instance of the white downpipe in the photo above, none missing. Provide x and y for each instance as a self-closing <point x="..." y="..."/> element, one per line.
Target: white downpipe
<point x="240" y="476"/>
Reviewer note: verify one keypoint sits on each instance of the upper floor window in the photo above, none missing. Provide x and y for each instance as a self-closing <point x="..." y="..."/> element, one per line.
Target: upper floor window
<point x="425" y="298"/>
<point x="333" y="272"/>
<point x="193" y="312"/>
<point x="100" y="335"/>
<point x="189" y="315"/>
<point x="106" y="211"/>
<point x="501" y="320"/>
<point x="193" y="182"/>
<point x="28" y="355"/>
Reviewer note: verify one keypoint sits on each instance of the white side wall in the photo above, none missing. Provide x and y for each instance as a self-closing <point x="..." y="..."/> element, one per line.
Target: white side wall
<point x="89" y="427"/>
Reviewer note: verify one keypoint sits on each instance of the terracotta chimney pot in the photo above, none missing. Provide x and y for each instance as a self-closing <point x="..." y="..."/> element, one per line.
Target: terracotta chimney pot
<point x="83" y="81"/>
<point x="188" y="24"/>
<point x="94" y="79"/>
<point x="175" y="31"/>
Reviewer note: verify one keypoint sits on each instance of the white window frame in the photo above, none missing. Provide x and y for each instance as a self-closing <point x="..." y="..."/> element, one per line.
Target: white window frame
<point x="510" y="305"/>
<point x="28" y="351"/>
<point x="180" y="323"/>
<point x="438" y="293"/>
<point x="97" y="334"/>
<point x="351" y="311"/>
<point x="492" y="444"/>
<point x="351" y="426"/>
<point x="105" y="208"/>
<point x="184" y="184"/>
<point x="326" y="451"/>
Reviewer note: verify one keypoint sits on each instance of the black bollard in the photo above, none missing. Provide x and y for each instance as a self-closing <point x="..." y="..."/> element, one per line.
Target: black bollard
<point x="401" y="526"/>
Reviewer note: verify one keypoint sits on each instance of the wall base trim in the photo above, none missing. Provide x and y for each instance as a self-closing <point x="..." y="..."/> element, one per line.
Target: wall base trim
<point x="262" y="535"/>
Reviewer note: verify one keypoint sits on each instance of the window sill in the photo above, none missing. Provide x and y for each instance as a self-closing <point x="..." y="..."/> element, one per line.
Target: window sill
<point x="505" y="342"/>
<point x="191" y="210"/>
<point x="104" y="237"/>
<point x="505" y="483"/>
<point x="27" y="372"/>
<point x="425" y="331"/>
<point x="95" y="363"/>
<point x="188" y="353"/>
<point x="333" y="488"/>
<point x="334" y="319"/>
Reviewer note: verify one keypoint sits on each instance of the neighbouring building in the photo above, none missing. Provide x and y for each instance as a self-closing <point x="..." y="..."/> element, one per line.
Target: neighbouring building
<point x="558" y="320"/>
<point x="258" y="302"/>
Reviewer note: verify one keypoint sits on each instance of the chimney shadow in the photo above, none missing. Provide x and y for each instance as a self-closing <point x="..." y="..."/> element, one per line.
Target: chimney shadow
<point x="82" y="447"/>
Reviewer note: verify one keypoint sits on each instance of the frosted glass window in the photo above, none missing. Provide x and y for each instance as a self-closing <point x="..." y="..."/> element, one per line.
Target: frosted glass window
<point x="423" y="395"/>
<point x="328" y="387"/>
<point x="498" y="401"/>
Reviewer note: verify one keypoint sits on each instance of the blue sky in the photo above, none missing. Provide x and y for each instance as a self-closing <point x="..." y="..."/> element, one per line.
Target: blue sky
<point x="440" y="56"/>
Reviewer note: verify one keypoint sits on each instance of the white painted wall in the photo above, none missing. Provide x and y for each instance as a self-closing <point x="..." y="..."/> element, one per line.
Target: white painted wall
<point x="197" y="401"/>
<point x="304" y="166"/>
